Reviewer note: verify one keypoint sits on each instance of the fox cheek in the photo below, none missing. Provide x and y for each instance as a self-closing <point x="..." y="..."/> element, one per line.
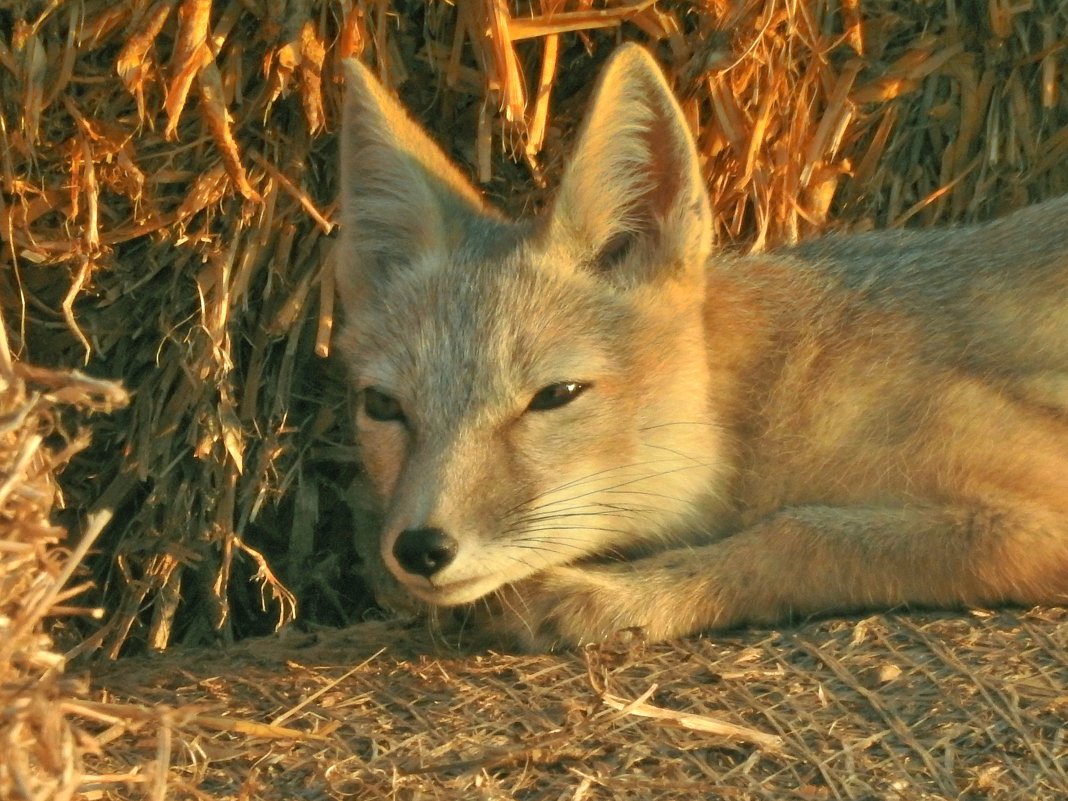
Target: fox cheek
<point x="383" y="451"/>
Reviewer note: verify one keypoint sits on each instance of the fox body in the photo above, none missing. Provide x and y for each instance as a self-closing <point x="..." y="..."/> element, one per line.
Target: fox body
<point x="591" y="421"/>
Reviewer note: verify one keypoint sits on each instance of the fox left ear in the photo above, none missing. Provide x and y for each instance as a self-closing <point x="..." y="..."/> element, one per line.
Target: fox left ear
<point x="632" y="199"/>
<point x="400" y="195"/>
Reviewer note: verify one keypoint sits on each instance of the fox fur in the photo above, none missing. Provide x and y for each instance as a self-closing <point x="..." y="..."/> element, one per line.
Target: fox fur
<point x="593" y="421"/>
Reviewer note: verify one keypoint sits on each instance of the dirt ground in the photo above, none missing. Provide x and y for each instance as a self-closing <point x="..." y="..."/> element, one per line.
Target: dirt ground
<point x="933" y="706"/>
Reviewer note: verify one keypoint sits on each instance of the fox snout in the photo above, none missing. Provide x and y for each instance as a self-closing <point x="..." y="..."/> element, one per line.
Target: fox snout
<point x="424" y="551"/>
<point x="439" y="568"/>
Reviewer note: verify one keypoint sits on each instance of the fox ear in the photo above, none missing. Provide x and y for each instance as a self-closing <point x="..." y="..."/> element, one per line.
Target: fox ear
<point x="632" y="198"/>
<point x="400" y="196"/>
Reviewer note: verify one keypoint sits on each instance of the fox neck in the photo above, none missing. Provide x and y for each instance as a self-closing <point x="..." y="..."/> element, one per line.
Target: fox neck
<point x="750" y="316"/>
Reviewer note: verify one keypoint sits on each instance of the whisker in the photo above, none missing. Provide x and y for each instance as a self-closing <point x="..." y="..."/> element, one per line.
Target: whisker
<point x="548" y="545"/>
<point x="606" y="470"/>
<point x="706" y="423"/>
<point x="545" y="511"/>
<point x="615" y="487"/>
<point x="583" y="479"/>
<point x="542" y="548"/>
<point x="525" y="538"/>
<point x="579" y="528"/>
<point x="588" y="478"/>
<point x="537" y="518"/>
<point x="550" y="517"/>
<point x="589" y="509"/>
<point x="614" y="468"/>
<point x="506" y="600"/>
<point x="680" y="454"/>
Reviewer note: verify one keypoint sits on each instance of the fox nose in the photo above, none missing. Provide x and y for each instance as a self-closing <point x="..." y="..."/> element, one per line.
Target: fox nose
<point x="424" y="551"/>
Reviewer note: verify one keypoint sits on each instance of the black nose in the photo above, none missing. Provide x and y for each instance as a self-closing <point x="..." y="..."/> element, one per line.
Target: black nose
<point x="424" y="551"/>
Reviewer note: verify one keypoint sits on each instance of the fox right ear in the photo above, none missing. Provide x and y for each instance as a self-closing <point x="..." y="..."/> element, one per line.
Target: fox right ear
<point x="632" y="203"/>
<point x="400" y="196"/>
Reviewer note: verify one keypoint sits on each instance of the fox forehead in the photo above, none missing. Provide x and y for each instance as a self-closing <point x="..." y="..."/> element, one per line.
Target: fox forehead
<point x="454" y="333"/>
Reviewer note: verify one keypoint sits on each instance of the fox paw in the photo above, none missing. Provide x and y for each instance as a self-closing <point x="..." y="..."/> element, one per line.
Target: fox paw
<point x="572" y="606"/>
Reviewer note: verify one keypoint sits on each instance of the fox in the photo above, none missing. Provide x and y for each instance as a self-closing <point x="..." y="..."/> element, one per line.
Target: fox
<point x="594" y="420"/>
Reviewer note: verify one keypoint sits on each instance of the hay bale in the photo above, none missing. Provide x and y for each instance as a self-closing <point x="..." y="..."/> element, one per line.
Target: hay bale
<point x="167" y="202"/>
<point x="40" y="576"/>
<point x="170" y="200"/>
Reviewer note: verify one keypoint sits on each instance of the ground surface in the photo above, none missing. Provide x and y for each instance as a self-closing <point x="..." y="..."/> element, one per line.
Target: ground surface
<point x="970" y="706"/>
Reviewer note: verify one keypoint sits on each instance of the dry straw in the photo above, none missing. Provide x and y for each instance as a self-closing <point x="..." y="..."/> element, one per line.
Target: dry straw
<point x="166" y="214"/>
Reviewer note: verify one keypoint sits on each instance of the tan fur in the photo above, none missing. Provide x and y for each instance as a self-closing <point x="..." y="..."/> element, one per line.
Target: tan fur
<point x="858" y="422"/>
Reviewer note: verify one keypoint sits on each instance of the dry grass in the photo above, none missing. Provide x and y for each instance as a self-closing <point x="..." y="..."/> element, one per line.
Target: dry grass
<point x="165" y="217"/>
<point x="918" y="707"/>
<point x="39" y="579"/>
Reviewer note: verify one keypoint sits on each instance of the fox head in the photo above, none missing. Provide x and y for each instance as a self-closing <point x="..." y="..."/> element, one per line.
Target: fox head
<point x="529" y="393"/>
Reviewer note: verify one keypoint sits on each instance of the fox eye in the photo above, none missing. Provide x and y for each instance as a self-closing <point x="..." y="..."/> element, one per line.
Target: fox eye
<point x="381" y="407"/>
<point x="556" y="395"/>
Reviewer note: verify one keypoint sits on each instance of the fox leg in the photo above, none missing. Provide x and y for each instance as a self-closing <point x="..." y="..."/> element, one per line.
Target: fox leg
<point x="803" y="561"/>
